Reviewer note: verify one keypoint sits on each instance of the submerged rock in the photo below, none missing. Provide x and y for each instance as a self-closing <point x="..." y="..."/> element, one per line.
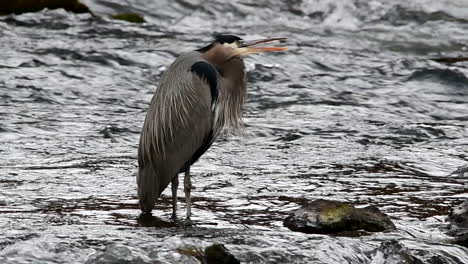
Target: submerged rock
<point x="450" y="77"/>
<point x="458" y="218"/>
<point x="331" y="217"/>
<point x="25" y="6"/>
<point x="117" y="253"/>
<point x="392" y="252"/>
<point x="130" y="17"/>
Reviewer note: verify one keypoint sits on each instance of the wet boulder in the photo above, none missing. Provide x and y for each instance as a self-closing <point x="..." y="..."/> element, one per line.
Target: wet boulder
<point x="25" y="6"/>
<point x="334" y="217"/>
<point x="458" y="218"/>
<point x="392" y="252"/>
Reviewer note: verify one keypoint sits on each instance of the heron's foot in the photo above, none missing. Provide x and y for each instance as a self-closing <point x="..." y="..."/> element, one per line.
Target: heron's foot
<point x="174" y="218"/>
<point x="188" y="222"/>
<point x="147" y="213"/>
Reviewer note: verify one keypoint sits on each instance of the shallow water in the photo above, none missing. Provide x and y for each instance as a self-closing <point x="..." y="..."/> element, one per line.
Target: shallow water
<point x="354" y="111"/>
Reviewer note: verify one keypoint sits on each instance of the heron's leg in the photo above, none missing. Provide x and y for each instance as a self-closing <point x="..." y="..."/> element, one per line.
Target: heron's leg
<point x="174" y="185"/>
<point x="187" y="189"/>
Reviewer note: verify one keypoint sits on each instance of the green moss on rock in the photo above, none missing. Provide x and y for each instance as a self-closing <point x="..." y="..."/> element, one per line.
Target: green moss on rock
<point x="25" y="6"/>
<point x="130" y="17"/>
<point x="335" y="214"/>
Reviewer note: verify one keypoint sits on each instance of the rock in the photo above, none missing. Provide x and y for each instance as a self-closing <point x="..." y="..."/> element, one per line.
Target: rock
<point x="289" y="137"/>
<point x="450" y="60"/>
<point x="25" y="6"/>
<point x="392" y="252"/>
<point x="332" y="217"/>
<point x="451" y="77"/>
<point x="373" y="220"/>
<point x="130" y="17"/>
<point x="106" y="131"/>
<point x="218" y="254"/>
<point x="214" y="254"/>
<point x="461" y="171"/>
<point x="458" y="218"/>
<point x="461" y="239"/>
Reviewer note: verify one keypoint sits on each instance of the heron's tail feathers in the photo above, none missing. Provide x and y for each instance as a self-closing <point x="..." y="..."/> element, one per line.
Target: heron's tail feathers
<point x="148" y="188"/>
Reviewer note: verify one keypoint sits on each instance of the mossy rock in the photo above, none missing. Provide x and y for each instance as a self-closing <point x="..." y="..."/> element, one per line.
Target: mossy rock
<point x="25" y="6"/>
<point x="335" y="217"/>
<point x="130" y="17"/>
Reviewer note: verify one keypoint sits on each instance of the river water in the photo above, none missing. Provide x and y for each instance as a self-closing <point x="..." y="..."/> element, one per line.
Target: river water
<point x="354" y="111"/>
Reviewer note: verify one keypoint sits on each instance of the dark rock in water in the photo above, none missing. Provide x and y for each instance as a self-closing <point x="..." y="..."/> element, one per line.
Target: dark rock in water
<point x="218" y="254"/>
<point x="214" y="254"/>
<point x="461" y="171"/>
<point x="331" y="217"/>
<point x="458" y="218"/>
<point x="461" y="239"/>
<point x="107" y="131"/>
<point x="130" y="17"/>
<point x="289" y="137"/>
<point x="110" y="130"/>
<point x="25" y="6"/>
<point x="451" y="77"/>
<point x="450" y="60"/>
<point x="392" y="252"/>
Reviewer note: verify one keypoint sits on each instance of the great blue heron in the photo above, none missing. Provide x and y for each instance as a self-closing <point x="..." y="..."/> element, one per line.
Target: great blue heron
<point x="200" y="94"/>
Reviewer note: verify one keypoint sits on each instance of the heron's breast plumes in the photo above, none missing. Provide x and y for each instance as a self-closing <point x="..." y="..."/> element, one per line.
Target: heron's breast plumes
<point x="232" y="95"/>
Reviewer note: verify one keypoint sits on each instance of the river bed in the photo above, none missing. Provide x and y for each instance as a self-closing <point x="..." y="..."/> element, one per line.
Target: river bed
<point x="354" y="111"/>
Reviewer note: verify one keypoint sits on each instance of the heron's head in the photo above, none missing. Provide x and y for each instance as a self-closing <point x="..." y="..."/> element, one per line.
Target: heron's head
<point x="225" y="47"/>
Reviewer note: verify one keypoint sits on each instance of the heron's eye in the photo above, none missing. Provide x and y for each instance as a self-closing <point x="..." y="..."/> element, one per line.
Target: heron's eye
<point x="232" y="45"/>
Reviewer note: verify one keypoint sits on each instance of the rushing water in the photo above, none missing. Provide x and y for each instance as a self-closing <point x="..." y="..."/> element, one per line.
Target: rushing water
<point x="354" y="111"/>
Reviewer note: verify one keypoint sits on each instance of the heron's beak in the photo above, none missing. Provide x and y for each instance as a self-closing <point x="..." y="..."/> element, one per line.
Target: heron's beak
<point x="246" y="46"/>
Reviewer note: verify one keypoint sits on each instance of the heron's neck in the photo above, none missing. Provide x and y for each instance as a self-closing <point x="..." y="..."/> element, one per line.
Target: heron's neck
<point x="233" y="72"/>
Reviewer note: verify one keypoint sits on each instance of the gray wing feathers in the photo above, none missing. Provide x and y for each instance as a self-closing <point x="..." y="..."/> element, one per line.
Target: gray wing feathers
<point x="176" y="125"/>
